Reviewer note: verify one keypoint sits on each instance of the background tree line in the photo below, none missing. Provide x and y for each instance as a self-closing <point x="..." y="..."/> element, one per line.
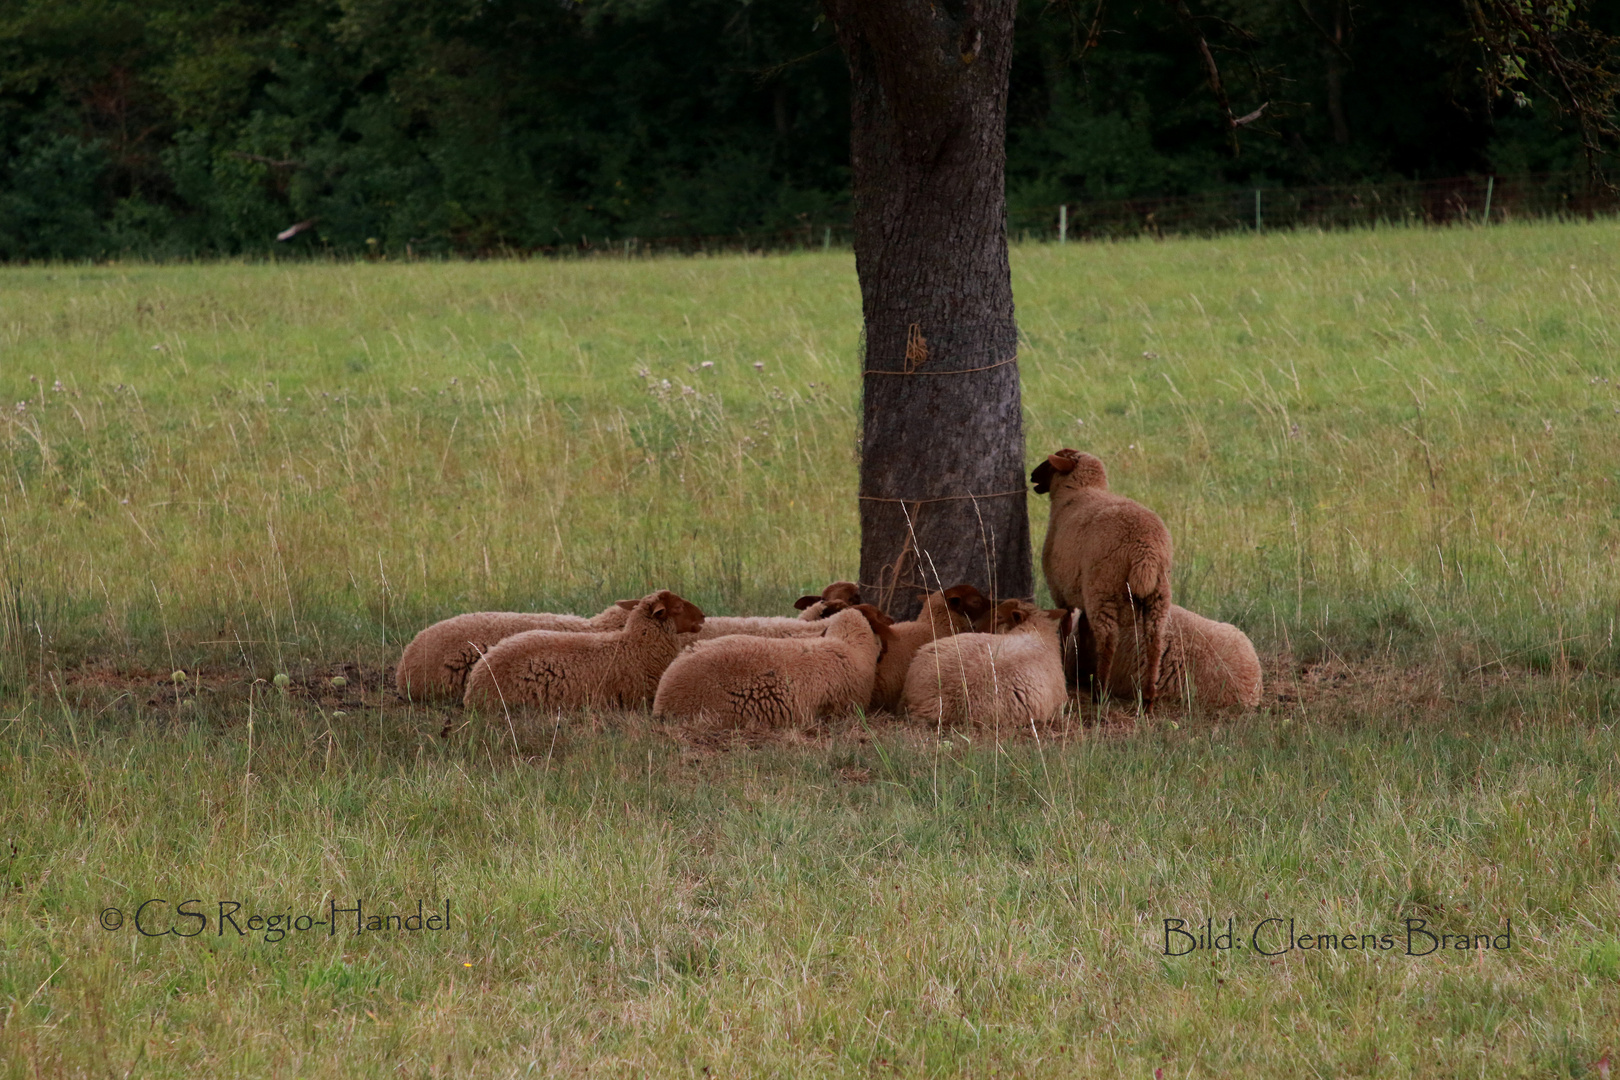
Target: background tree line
<point x="202" y="127"/>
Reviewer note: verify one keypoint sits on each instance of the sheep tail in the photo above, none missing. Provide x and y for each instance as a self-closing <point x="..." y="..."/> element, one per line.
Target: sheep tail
<point x="1146" y="579"/>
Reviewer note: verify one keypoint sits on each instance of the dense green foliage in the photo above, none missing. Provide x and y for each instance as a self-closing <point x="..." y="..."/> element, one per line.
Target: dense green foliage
<point x="177" y="127"/>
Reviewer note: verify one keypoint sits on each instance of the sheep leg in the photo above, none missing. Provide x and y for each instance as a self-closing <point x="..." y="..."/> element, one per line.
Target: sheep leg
<point x="1105" y="630"/>
<point x="1153" y="621"/>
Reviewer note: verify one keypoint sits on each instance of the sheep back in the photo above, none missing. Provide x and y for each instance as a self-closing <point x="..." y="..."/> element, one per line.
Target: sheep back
<point x="1205" y="661"/>
<point x="766" y="683"/>
<point x="552" y="670"/>
<point x="435" y="664"/>
<point x="769" y="626"/>
<point x="1013" y="678"/>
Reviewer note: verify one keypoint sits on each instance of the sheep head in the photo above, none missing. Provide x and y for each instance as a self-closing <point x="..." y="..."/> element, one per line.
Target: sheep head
<point x="1081" y="469"/>
<point x="681" y="616"/>
<point x="967" y="603"/>
<point x="833" y="599"/>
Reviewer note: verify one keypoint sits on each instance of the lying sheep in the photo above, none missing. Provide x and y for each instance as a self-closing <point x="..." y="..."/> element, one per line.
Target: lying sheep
<point x="1108" y="555"/>
<point x="1011" y="677"/>
<point x="764" y="683"/>
<point x="435" y="664"/>
<point x="554" y="670"/>
<point x="833" y="599"/>
<point x="1212" y="663"/>
<point x="952" y="611"/>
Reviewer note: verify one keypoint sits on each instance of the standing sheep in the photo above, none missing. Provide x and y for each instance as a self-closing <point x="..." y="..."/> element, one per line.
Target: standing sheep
<point x="1212" y="663"/>
<point x="1108" y="555"/>
<point x="435" y="664"/>
<point x="1011" y="676"/>
<point x="553" y="670"/>
<point x="765" y="683"/>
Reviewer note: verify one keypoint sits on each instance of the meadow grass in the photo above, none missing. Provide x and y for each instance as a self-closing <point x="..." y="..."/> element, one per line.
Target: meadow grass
<point x="1391" y="457"/>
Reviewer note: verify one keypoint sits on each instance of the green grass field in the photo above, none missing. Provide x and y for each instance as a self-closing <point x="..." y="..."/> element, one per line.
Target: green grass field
<point x="1393" y="458"/>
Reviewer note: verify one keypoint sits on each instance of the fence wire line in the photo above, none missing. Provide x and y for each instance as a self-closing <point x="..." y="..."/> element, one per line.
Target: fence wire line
<point x="1458" y="200"/>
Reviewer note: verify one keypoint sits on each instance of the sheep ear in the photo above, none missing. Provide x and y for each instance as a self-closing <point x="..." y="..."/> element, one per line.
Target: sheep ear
<point x="660" y="610"/>
<point x="1062" y="463"/>
<point x="805" y="601"/>
<point x="628" y="605"/>
<point x="954" y="603"/>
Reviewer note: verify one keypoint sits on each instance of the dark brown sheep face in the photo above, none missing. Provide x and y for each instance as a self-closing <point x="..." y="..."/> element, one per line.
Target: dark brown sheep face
<point x="681" y="616"/>
<point x="968" y="602"/>
<point x="845" y="592"/>
<point x="1042" y="477"/>
<point x="835" y="598"/>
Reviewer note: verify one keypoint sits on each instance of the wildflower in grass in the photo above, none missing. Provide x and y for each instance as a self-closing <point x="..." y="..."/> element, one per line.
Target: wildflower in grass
<point x="281" y="681"/>
<point x="339" y="681"/>
<point x="177" y="677"/>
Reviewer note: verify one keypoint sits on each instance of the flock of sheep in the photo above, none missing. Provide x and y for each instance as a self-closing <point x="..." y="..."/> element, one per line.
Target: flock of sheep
<point x="964" y="660"/>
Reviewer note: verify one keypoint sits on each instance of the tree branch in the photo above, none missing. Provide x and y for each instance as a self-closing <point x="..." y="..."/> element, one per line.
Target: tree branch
<point x="1211" y="71"/>
<point x="1331" y="39"/>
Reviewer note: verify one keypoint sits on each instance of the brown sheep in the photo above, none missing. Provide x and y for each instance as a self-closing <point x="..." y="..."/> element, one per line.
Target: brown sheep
<point x="1212" y="663"/>
<point x="553" y="670"/>
<point x="1012" y="677"/>
<point x="1108" y="555"/>
<point x="765" y="683"/>
<point x="952" y="611"/>
<point x="435" y="664"/>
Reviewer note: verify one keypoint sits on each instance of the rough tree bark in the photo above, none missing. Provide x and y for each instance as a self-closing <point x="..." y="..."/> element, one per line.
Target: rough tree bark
<point x="942" y="442"/>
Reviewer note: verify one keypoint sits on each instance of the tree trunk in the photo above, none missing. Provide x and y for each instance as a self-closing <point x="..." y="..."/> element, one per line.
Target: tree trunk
<point x="942" y="441"/>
